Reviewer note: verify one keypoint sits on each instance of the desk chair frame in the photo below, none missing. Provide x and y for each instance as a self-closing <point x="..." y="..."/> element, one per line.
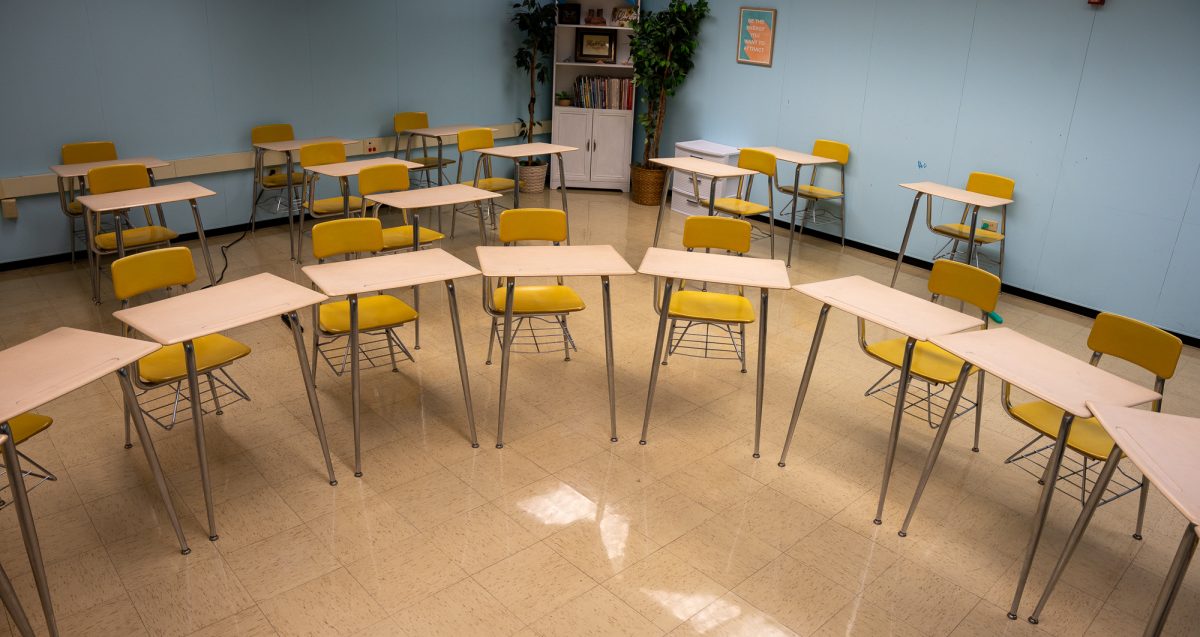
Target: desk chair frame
<point x="750" y="159"/>
<point x="984" y="183"/>
<point x="45" y="474"/>
<point x="69" y="188"/>
<point x="473" y="140"/>
<point x="407" y="121"/>
<point x="290" y="187"/>
<point x="822" y="148"/>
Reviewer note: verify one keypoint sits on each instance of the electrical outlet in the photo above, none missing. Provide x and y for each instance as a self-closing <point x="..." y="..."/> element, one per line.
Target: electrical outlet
<point x="9" y="208"/>
<point x="988" y="224"/>
<point x="370" y="146"/>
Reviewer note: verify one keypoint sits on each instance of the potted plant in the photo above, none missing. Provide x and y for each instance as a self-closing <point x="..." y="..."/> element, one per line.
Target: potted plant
<point x="663" y="46"/>
<point x="536" y="22"/>
<point x="564" y="98"/>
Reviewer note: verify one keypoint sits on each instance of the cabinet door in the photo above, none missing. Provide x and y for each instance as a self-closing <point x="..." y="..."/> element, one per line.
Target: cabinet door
<point x="612" y="134"/>
<point x="572" y="127"/>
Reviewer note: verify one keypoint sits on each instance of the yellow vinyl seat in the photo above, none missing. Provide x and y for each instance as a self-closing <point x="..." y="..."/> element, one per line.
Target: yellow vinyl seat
<point x="136" y="237"/>
<point x="740" y="204"/>
<point x="960" y="232"/>
<point x="541" y="309"/>
<point x="732" y="206"/>
<point x="335" y="205"/>
<point x="491" y="184"/>
<point x="28" y="425"/>
<point x="119" y="178"/>
<point x="279" y="180"/>
<point x="1145" y="346"/>
<point x="475" y="140"/>
<point x="163" y="373"/>
<point x="711" y="306"/>
<point x="74" y="208"/>
<point x="22" y="428"/>
<point x="413" y="120"/>
<point x="811" y="193"/>
<point x="374" y="312"/>
<point x="392" y="178"/>
<point x="400" y="237"/>
<point x="932" y="365"/>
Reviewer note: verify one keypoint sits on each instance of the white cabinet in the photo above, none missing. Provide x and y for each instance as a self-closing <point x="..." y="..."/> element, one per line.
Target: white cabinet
<point x="683" y="194"/>
<point x="604" y="138"/>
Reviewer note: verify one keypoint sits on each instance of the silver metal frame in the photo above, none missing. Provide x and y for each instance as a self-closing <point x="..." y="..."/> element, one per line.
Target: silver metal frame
<point x="662" y="203"/>
<point x="441" y="162"/>
<point x="748" y="182"/>
<point x="812" y="203"/>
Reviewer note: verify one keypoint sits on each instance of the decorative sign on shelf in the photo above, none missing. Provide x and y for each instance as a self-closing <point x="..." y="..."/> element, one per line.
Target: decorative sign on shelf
<point x="756" y="36"/>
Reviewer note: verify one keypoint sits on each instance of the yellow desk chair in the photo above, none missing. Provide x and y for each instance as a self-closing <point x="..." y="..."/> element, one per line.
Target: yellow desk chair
<point x="931" y="364"/>
<point x="116" y="178"/>
<point x="533" y="303"/>
<point x="411" y="120"/>
<point x="1142" y="344"/>
<point x="475" y="139"/>
<point x="80" y="153"/>
<point x="812" y="193"/>
<point x="162" y="270"/>
<point x="705" y="309"/>
<point x="378" y="314"/>
<point x="311" y="156"/>
<point x="740" y="205"/>
<point x="985" y="184"/>
<point x="24" y="427"/>
<point x="272" y="177"/>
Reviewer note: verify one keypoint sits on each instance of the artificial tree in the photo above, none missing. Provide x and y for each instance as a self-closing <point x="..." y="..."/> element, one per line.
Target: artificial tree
<point x="536" y="22"/>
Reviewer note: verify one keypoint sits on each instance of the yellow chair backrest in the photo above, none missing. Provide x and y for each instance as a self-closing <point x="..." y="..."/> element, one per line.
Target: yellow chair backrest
<point x="271" y="133"/>
<point x="719" y="233"/>
<point x="347" y="236"/>
<point x="533" y="224"/>
<point x="152" y="270"/>
<point x="989" y="184"/>
<point x="474" y="139"/>
<point x="830" y="149"/>
<point x="385" y="178"/>
<point x="410" y="120"/>
<point x="1142" y="344"/>
<point x="117" y="177"/>
<point x="965" y="283"/>
<point x="84" y="152"/>
<point x="322" y="153"/>
<point x="757" y="160"/>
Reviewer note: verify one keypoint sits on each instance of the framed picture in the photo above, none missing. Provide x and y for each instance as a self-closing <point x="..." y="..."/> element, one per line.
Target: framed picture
<point x="624" y="16"/>
<point x="569" y="13"/>
<point x="595" y="45"/>
<point x="756" y="36"/>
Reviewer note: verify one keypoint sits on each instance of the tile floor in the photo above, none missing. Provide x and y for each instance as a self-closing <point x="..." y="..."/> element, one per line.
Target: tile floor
<point x="563" y="532"/>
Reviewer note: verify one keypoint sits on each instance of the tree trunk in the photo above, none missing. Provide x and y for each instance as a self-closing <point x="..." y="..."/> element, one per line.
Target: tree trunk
<point x="532" y="95"/>
<point x="662" y="107"/>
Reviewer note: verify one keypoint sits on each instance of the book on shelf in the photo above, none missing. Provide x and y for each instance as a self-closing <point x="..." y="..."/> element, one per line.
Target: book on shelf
<point x="592" y="91"/>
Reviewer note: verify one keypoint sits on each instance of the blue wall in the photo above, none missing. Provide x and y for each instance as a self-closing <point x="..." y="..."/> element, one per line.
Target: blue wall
<point x="1092" y="112"/>
<point x="181" y="78"/>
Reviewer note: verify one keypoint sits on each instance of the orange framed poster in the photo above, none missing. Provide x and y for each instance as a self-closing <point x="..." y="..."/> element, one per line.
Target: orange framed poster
<point x="756" y="36"/>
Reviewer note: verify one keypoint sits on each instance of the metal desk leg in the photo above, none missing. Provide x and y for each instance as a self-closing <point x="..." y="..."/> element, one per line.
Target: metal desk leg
<point x="212" y="279"/>
<point x="935" y="449"/>
<point x="897" y="417"/>
<point x="344" y="183"/>
<point x="662" y="205"/>
<point x="189" y="355"/>
<point x="355" y="409"/>
<point x="792" y="234"/>
<point x="416" y="245"/>
<point x="658" y="351"/>
<point x="256" y="189"/>
<point x="562" y="182"/>
<point x="33" y="549"/>
<point x="310" y="388"/>
<point x="808" y="370"/>
<point x="1170" y="589"/>
<point x="517" y="182"/>
<point x="439" y="166"/>
<point x="608" y="353"/>
<point x="291" y="206"/>
<point x="971" y="235"/>
<point x="139" y="423"/>
<point x="712" y="196"/>
<point x="762" y="368"/>
<point x="462" y="360"/>
<point x="1081" y="524"/>
<point x="9" y="595"/>
<point x="505" y="352"/>
<point x="1050" y="477"/>
<point x="912" y="216"/>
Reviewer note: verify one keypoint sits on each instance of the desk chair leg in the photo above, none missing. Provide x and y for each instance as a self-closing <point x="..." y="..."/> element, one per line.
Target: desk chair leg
<point x="792" y="233"/>
<point x="208" y="266"/>
<point x="355" y="410"/>
<point x="662" y="206"/>
<point x="1081" y="524"/>
<point x="491" y="340"/>
<point x="971" y="248"/>
<point x="762" y="366"/>
<point x="658" y="353"/>
<point x="33" y="548"/>
<point x="742" y="338"/>
<point x="316" y="340"/>
<point x="462" y="361"/>
<point x="416" y="306"/>
<point x="936" y="448"/>
<point x="517" y="182"/>
<point x="1142" y="497"/>
<point x="505" y="352"/>
<point x="13" y="605"/>
<point x="912" y="215"/>
<point x="897" y="417"/>
<point x="562" y="324"/>
<point x="978" y="409"/>
<point x="151" y="457"/>
<point x="562" y="181"/>
<point x="1050" y="478"/>
<point x="608" y="342"/>
<point x="212" y="389"/>
<point x="804" y="380"/>
<point x="1170" y="589"/>
<point x="189" y="351"/>
<point x="310" y="388"/>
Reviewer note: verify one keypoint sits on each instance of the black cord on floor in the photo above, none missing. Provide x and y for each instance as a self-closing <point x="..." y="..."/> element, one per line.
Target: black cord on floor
<point x="225" y="258"/>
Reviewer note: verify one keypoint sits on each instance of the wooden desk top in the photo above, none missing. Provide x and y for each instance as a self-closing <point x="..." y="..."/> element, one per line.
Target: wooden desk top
<point x="151" y="196"/>
<point x="702" y="167"/>
<point x="910" y="315"/>
<point x="1163" y="446"/>
<point x="81" y="170"/>
<point x="1057" y="378"/>
<point x="226" y="306"/>
<point x="516" y="151"/>
<point x="716" y="268"/>
<point x="957" y="194"/>
<point x="515" y="261"/>
<point x="794" y="156"/>
<point x="442" y="131"/>
<point x="435" y="196"/>
<point x="60" y="361"/>
<point x="295" y="144"/>
<point x="352" y="168"/>
<point x="386" y="272"/>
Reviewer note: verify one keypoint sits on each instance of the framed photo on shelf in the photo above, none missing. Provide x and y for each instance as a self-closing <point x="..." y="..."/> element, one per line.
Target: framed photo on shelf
<point x="756" y="36"/>
<point x="568" y="13"/>
<point x="596" y="45"/>
<point x="624" y="16"/>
